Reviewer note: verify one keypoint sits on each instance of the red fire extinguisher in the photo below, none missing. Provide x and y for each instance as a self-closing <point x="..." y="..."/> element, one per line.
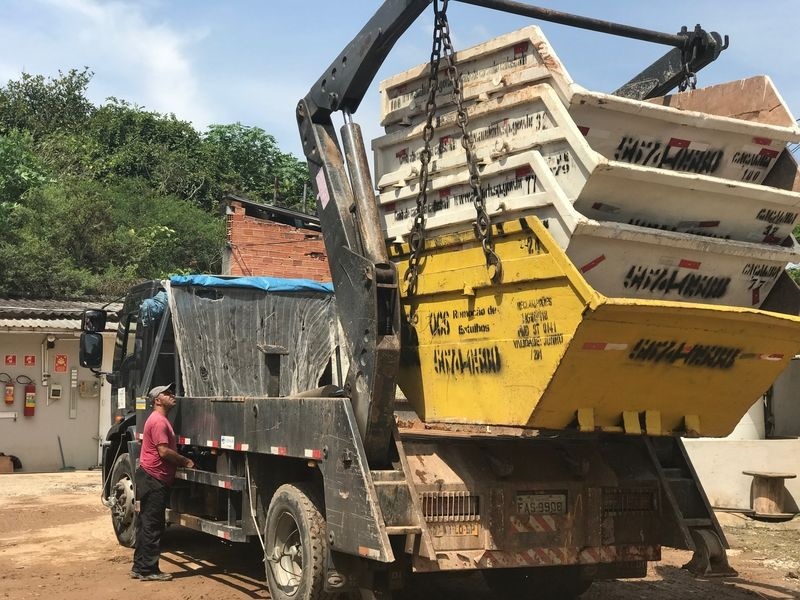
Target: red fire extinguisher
<point x="8" y="387"/>
<point x="30" y="395"/>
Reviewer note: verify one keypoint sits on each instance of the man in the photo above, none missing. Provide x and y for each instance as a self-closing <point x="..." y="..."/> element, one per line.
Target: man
<point x="158" y="461"/>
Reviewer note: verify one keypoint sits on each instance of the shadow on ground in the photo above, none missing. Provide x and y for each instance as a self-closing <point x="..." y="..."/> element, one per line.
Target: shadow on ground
<point x="187" y="553"/>
<point x="194" y="554"/>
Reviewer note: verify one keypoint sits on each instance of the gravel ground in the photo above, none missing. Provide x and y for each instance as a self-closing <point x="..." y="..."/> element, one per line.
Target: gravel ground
<point x="56" y="542"/>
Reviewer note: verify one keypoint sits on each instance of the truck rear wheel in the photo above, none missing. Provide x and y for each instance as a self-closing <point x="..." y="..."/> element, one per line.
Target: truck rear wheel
<point x="542" y="583"/>
<point x="123" y="512"/>
<point x="295" y="545"/>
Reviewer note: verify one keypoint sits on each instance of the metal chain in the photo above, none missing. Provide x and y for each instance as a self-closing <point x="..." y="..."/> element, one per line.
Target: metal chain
<point x="416" y="239"/>
<point x="689" y="81"/>
<point x="483" y="224"/>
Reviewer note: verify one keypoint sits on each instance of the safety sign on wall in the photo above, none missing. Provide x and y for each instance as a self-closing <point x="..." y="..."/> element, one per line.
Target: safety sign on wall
<point x="11" y="360"/>
<point x="61" y="363"/>
<point x="30" y="360"/>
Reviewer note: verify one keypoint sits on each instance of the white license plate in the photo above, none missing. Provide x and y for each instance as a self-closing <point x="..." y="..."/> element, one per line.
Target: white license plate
<point x="541" y="504"/>
<point x="446" y="529"/>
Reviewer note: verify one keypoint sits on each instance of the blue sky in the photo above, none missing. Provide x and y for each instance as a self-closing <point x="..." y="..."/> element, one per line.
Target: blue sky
<point x="250" y="61"/>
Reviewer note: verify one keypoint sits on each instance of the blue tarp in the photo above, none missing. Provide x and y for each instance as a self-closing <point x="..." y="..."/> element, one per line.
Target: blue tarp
<point x="270" y="284"/>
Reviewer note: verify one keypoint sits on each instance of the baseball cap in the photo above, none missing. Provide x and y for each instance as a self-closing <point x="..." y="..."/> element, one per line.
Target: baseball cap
<point x="154" y="392"/>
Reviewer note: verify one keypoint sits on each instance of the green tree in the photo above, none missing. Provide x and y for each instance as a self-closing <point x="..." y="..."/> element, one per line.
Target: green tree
<point x="95" y="199"/>
<point x="20" y="167"/>
<point x="77" y="237"/>
<point x="42" y="106"/>
<point x="169" y="153"/>
<point x="249" y="160"/>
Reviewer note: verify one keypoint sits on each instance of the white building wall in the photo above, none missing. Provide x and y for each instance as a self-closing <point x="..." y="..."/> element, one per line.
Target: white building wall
<point x="80" y="418"/>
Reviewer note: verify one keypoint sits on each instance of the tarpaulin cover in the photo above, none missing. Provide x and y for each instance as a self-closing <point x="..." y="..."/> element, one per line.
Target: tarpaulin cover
<point x="226" y="333"/>
<point x="269" y="284"/>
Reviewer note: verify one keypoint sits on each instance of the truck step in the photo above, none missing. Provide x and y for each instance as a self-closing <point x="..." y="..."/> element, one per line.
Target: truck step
<point x="697" y="523"/>
<point x="228" y="482"/>
<point x="216" y="528"/>
<point x="388" y="476"/>
<point x="673" y="473"/>
<point x="403" y="529"/>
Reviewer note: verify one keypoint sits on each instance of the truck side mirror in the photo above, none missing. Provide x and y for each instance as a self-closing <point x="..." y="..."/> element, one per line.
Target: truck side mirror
<point x="91" y="350"/>
<point x="93" y="320"/>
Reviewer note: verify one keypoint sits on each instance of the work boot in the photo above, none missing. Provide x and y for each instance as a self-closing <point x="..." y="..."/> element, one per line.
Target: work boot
<point x="156" y="577"/>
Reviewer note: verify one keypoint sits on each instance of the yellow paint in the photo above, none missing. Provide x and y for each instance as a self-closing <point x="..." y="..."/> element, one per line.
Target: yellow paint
<point x="631" y="423"/>
<point x="543" y="349"/>
<point x="586" y="419"/>
<point x="652" y="422"/>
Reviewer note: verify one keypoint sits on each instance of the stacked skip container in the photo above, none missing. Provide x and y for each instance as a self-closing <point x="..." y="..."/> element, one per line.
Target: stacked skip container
<point x="638" y="241"/>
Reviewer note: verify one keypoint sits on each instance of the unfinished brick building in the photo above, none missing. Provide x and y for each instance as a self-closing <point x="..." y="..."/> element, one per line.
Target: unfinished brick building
<point x="273" y="241"/>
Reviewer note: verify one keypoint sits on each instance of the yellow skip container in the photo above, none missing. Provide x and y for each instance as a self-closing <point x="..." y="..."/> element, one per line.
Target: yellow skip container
<point x="543" y="349"/>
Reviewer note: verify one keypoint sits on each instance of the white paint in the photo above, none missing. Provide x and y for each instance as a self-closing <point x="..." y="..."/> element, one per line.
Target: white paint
<point x="34" y="440"/>
<point x="719" y="464"/>
<point x="322" y="187"/>
<point x="785" y="407"/>
<point x="751" y="427"/>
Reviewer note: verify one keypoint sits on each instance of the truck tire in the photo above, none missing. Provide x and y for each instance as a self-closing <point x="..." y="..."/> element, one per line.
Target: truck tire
<point x="295" y="545"/>
<point x="122" y="496"/>
<point x="542" y="583"/>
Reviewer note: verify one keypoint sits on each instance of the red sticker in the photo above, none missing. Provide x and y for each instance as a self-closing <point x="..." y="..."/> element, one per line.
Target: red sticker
<point x="11" y="360"/>
<point x="688" y="264"/>
<point x="30" y="360"/>
<point x="679" y="143"/>
<point x="61" y="363"/>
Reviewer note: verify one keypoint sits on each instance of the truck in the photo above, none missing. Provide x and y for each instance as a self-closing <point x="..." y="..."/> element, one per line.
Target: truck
<point x="547" y="370"/>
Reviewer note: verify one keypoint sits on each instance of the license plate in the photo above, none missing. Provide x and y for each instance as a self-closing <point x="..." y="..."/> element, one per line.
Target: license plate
<point x="541" y="504"/>
<point x="446" y="529"/>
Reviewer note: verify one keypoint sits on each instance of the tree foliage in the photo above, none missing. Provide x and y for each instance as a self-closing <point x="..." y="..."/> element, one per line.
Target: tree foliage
<point x="94" y="199"/>
<point x="42" y="105"/>
<point x="77" y="236"/>
<point x="250" y="160"/>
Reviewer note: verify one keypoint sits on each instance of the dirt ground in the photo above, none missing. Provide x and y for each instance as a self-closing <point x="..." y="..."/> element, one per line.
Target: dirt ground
<point x="56" y="542"/>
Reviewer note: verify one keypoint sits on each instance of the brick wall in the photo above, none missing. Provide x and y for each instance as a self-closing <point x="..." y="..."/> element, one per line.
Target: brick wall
<point x="259" y="247"/>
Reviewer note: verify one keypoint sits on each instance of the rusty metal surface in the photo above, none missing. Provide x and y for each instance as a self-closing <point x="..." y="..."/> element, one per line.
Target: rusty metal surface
<point x="471" y="490"/>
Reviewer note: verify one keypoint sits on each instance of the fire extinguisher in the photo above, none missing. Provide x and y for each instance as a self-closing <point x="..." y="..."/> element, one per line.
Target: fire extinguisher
<point x="8" y="387"/>
<point x="30" y="395"/>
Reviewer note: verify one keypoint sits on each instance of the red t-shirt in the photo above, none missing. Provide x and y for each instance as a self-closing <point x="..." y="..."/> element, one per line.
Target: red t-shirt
<point x="157" y="430"/>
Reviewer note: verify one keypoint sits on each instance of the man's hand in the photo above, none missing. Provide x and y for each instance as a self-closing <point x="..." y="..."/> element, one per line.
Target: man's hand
<point x="169" y="455"/>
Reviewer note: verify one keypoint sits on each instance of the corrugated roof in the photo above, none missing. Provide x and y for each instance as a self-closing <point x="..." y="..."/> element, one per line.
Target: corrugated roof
<point x="47" y="324"/>
<point x="24" y="308"/>
<point x="31" y="314"/>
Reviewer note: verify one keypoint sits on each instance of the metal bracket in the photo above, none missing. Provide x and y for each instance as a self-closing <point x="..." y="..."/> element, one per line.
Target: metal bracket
<point x="709" y="558"/>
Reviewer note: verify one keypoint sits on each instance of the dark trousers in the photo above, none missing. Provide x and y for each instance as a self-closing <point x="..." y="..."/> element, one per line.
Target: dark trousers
<point x="153" y="496"/>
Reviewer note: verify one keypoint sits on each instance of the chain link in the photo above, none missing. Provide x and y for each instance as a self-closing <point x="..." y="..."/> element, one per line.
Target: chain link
<point x="689" y="81"/>
<point x="483" y="224"/>
<point x="416" y="239"/>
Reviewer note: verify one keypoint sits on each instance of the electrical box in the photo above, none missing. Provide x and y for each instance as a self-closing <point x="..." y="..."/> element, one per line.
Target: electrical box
<point x="56" y="392"/>
<point x="89" y="388"/>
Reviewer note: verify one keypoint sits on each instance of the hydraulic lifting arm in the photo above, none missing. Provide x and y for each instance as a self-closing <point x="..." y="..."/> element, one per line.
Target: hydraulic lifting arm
<point x="365" y="281"/>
